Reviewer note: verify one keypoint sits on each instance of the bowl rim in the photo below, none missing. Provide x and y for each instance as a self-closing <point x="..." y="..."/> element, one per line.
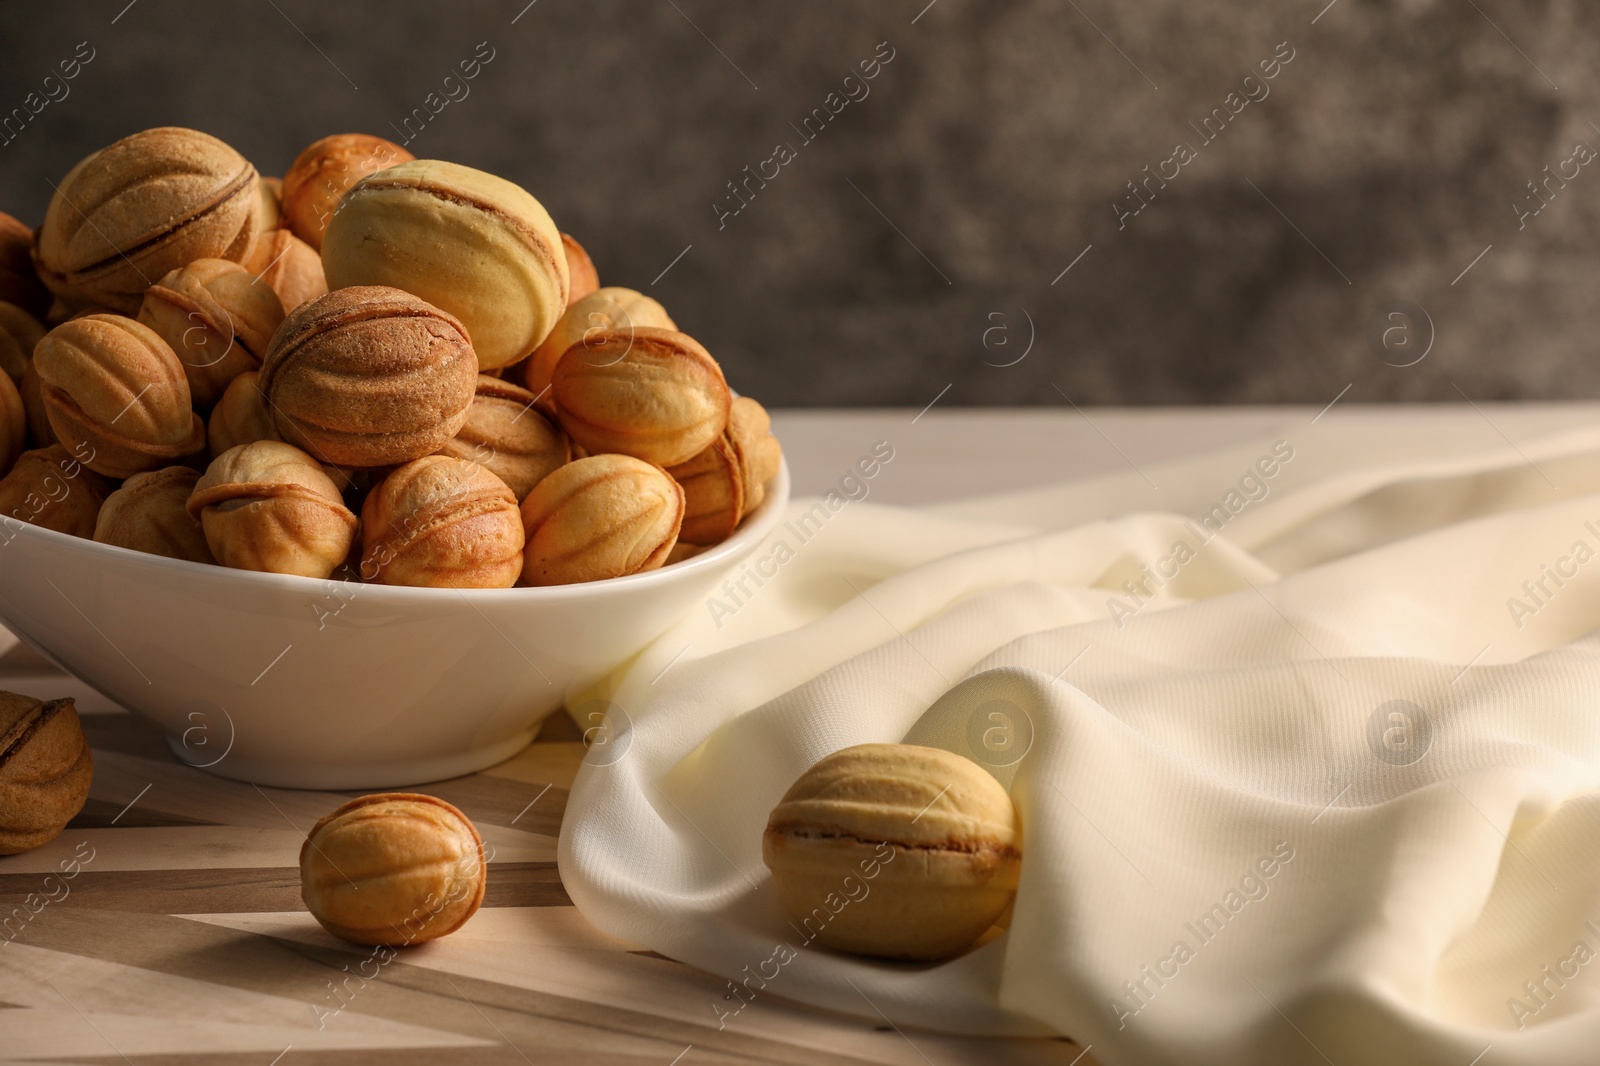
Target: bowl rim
<point x="751" y="532"/>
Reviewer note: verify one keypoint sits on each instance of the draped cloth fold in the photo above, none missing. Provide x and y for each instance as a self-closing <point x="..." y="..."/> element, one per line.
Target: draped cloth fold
<point x="1316" y="780"/>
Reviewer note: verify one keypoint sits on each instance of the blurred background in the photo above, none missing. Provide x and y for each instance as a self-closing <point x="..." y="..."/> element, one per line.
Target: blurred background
<point x="1027" y="202"/>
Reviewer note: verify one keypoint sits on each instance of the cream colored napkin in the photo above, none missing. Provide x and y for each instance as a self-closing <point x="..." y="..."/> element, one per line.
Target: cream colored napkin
<point x="1314" y="782"/>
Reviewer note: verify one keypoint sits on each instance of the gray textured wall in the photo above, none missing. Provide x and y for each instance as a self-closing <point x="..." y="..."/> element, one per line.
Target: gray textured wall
<point x="923" y="226"/>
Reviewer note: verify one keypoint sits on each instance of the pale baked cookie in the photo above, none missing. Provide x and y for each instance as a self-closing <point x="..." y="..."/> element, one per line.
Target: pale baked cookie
<point x="149" y="513"/>
<point x="475" y="245"/>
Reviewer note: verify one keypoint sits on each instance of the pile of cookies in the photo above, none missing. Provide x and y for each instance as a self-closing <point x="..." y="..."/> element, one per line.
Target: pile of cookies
<point x="378" y="368"/>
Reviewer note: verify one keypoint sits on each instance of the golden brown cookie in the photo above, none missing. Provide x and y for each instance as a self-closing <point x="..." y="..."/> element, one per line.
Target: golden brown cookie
<point x="40" y="435"/>
<point x="48" y="487"/>
<point x="269" y="210"/>
<point x="20" y="334"/>
<point x="369" y="376"/>
<point x="654" y="394"/>
<point x="19" y="283"/>
<point x="116" y="395"/>
<point x="149" y="513"/>
<point x="393" y="869"/>
<point x="604" y="309"/>
<point x="13" y="425"/>
<point x="45" y="770"/>
<point x="269" y="506"/>
<point x="319" y="177"/>
<point x="218" y="318"/>
<point x="240" y="417"/>
<point x="598" y="517"/>
<point x="894" y="850"/>
<point x="141" y="207"/>
<point x="582" y="277"/>
<point x="713" y="492"/>
<point x="289" y="266"/>
<point x="442" y="523"/>
<point x="511" y="437"/>
<point x="759" y="453"/>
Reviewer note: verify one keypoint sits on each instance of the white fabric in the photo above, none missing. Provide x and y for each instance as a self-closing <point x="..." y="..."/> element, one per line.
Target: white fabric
<point x="1222" y="731"/>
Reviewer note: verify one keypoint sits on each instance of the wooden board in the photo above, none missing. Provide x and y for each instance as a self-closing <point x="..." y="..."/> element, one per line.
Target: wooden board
<point x="183" y="940"/>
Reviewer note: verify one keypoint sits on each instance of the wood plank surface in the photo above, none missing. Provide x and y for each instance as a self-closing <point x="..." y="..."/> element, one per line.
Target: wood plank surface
<point x="183" y="941"/>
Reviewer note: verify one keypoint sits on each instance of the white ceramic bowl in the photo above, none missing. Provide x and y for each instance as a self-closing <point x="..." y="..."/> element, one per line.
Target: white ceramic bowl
<point x="300" y="683"/>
